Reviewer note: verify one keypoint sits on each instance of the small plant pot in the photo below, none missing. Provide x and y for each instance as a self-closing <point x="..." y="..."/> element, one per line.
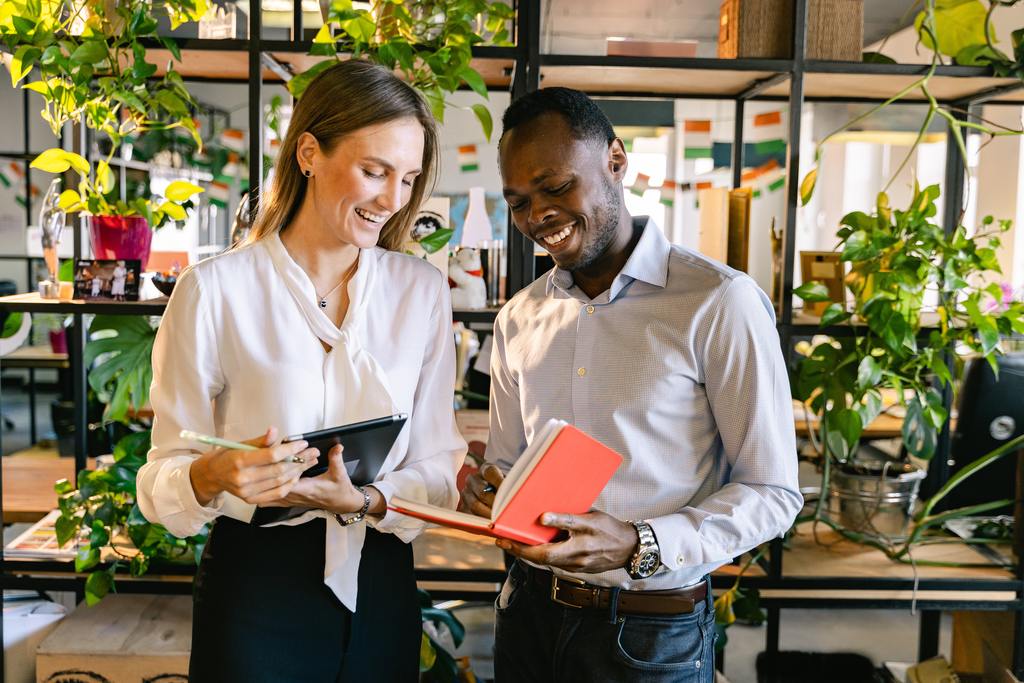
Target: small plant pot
<point x="121" y="237"/>
<point x="870" y="498"/>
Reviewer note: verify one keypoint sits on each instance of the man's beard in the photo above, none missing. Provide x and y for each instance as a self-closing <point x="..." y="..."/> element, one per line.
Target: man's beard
<point x="606" y="222"/>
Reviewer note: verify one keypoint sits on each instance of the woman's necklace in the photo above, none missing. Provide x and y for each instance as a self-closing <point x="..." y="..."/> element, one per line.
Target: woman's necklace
<point x="323" y="299"/>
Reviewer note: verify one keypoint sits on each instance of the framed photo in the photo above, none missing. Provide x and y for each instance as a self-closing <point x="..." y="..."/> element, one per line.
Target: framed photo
<point x="108" y="279"/>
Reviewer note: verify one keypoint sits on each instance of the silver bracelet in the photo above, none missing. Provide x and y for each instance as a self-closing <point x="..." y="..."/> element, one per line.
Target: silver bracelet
<point x="359" y="516"/>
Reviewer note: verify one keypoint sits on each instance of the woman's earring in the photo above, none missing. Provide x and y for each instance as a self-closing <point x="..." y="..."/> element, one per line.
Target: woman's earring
<point x="308" y="173"/>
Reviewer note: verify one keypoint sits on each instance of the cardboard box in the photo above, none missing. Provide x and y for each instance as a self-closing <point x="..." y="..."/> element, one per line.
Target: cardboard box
<point x="628" y="47"/>
<point x="764" y="29"/>
<point x="123" y="639"/>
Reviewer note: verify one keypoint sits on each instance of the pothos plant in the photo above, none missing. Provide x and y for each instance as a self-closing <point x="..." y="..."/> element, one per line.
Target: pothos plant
<point x="961" y="31"/>
<point x="900" y="264"/>
<point x="96" y="186"/>
<point x="102" y="510"/>
<point x="87" y="58"/>
<point x="429" y="42"/>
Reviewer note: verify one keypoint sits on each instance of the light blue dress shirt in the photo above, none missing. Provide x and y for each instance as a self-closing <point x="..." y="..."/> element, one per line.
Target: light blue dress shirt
<point x="678" y="367"/>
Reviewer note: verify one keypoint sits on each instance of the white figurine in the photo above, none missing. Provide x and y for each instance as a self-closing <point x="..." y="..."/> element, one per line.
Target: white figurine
<point x="466" y="277"/>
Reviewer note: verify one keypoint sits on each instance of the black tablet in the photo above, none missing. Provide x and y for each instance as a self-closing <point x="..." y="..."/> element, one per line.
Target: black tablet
<point x="366" y="444"/>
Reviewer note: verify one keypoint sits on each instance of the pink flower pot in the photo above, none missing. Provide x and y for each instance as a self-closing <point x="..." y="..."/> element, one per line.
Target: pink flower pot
<point x="120" y="237"/>
<point x="59" y="341"/>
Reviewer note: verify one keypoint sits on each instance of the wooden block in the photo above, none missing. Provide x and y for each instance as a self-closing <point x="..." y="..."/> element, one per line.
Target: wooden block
<point x="738" y="247"/>
<point x="763" y="29"/>
<point x="123" y="639"/>
<point x="972" y="631"/>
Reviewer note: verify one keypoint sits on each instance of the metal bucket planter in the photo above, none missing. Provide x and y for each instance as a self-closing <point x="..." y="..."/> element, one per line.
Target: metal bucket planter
<point x="874" y="498"/>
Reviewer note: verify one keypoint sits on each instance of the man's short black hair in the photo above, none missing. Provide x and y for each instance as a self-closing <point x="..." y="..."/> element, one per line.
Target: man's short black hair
<point x="585" y="118"/>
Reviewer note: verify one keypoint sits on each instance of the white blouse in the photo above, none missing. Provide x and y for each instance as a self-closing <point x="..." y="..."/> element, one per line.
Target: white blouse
<point x="239" y="350"/>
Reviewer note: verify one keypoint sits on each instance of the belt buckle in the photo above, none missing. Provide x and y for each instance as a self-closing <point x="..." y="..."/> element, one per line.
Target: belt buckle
<point x="554" y="590"/>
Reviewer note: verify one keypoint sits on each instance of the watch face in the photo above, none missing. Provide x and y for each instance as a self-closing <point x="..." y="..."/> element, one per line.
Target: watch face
<point x="648" y="563"/>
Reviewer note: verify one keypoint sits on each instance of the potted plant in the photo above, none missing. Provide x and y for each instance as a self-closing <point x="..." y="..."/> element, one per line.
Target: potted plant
<point x="87" y="59"/>
<point x="428" y="42"/>
<point x="902" y="266"/>
<point x="119" y="229"/>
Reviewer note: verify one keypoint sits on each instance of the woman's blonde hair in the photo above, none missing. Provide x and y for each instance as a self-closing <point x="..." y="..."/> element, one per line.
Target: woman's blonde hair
<point x="341" y="100"/>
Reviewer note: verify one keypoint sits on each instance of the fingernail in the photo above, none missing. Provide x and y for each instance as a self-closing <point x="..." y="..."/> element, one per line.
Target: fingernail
<point x="547" y="518"/>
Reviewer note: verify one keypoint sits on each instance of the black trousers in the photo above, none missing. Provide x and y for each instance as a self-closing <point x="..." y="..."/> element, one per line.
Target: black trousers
<point x="262" y="611"/>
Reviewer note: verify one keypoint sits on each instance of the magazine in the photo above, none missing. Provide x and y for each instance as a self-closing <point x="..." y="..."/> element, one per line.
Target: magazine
<point x="40" y="541"/>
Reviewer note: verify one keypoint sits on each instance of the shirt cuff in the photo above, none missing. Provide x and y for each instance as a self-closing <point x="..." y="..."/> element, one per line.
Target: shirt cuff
<point x="403" y="526"/>
<point x="187" y="496"/>
<point x="678" y="537"/>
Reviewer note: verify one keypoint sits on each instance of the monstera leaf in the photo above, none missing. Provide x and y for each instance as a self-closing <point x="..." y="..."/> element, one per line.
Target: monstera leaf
<point x="121" y="369"/>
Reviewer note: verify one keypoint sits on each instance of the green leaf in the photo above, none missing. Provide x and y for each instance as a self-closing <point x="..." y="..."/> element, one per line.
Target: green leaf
<point x="21" y="63"/>
<point x="97" y="586"/>
<point x="12" y="324"/>
<point x="807" y="186"/>
<point x="62" y="486"/>
<point x="834" y="315"/>
<point x="298" y="84"/>
<point x="877" y="58"/>
<point x="66" y="528"/>
<point x="361" y="29"/>
<point x="483" y="114"/>
<point x="86" y="558"/>
<point x="436" y="240"/>
<point x="979" y="55"/>
<point x="56" y="160"/>
<point x="66" y="273"/>
<point x="99" y="536"/>
<point x="869" y="373"/>
<point x="173" y="210"/>
<point x="90" y="52"/>
<point x="104" y="177"/>
<point x="324" y="36"/>
<point x="68" y="199"/>
<point x="181" y="190"/>
<point x="958" y="24"/>
<point x="919" y="437"/>
<point x="172" y="47"/>
<point x="843" y="428"/>
<point x="476" y="82"/>
<point x="171" y="102"/>
<point x="812" y="291"/>
<point x="120" y="365"/>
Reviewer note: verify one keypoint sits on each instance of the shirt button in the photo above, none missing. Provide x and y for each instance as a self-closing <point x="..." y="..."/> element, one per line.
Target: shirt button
<point x="679" y="559"/>
<point x="581" y="372"/>
<point x="590" y="310"/>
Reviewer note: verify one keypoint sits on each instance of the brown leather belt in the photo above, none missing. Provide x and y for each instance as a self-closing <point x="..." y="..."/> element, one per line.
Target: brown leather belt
<point x="578" y="594"/>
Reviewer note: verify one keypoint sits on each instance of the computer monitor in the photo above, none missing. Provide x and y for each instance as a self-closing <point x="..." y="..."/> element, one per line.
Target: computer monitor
<point x="990" y="413"/>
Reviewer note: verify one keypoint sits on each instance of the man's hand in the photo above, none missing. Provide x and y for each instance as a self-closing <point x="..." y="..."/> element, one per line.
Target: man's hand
<point x="478" y="496"/>
<point x="597" y="543"/>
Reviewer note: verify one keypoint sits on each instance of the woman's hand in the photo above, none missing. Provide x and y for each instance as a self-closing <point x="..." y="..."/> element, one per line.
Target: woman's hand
<point x="254" y="476"/>
<point x="332" y="491"/>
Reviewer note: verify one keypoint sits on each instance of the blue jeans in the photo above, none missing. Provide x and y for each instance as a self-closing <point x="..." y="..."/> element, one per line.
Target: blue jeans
<point x="538" y="640"/>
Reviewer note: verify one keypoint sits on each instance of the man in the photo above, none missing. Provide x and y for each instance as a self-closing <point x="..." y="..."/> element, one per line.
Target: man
<point x="665" y="356"/>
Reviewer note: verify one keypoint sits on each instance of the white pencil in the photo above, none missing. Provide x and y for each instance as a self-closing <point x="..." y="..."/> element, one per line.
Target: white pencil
<point x="214" y="441"/>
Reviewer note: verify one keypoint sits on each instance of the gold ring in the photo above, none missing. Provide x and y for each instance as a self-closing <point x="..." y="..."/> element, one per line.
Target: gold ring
<point x="298" y="459"/>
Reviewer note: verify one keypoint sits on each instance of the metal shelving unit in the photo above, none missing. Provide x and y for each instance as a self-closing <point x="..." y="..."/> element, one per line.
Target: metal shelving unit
<point x="521" y="69"/>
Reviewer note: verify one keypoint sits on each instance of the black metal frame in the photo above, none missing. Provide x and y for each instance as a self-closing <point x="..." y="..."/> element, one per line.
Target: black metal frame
<point x="527" y="77"/>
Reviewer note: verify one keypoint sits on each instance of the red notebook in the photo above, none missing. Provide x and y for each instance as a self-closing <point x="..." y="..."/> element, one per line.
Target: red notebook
<point x="563" y="470"/>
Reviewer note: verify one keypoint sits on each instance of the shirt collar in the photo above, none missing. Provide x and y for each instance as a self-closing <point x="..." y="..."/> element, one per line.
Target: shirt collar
<point x="648" y="262"/>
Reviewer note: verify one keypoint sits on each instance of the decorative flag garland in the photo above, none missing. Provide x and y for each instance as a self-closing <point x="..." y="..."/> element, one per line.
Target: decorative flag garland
<point x="697" y="139"/>
<point x="218" y="194"/>
<point x="468" y="160"/>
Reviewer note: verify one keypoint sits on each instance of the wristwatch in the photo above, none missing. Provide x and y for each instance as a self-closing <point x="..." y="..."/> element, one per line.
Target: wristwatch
<point x="647" y="558"/>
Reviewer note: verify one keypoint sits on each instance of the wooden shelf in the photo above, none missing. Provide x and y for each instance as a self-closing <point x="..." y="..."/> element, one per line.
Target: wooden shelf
<point x="669" y="77"/>
<point x="230" y="62"/>
<point x="33" y="303"/>
<point x="35" y="357"/>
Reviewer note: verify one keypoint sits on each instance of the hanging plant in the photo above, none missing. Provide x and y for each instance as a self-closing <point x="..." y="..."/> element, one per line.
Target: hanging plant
<point x="87" y="60"/>
<point x="428" y="42"/>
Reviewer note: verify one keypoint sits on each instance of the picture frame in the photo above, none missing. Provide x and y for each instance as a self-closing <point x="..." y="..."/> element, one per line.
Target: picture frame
<point x="108" y="279"/>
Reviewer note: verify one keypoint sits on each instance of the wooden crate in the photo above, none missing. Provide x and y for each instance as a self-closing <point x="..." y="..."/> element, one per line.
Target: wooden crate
<point x="764" y="29"/>
<point x="123" y="639"/>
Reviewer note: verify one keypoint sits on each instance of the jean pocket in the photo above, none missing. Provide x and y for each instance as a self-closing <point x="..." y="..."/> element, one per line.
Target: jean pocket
<point x="510" y="590"/>
<point x="663" y="643"/>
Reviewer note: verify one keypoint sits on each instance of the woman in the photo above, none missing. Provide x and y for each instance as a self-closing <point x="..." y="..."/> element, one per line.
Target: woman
<point x="317" y="321"/>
